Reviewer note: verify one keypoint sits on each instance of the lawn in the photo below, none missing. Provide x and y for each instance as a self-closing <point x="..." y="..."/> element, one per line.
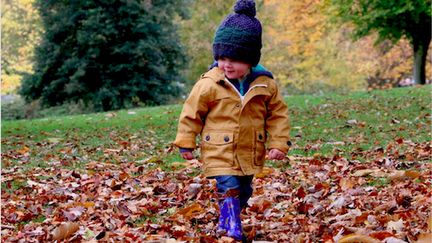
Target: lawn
<point x="359" y="164"/>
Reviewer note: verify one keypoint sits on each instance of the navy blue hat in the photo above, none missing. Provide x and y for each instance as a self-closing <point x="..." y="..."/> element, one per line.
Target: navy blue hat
<point x="239" y="35"/>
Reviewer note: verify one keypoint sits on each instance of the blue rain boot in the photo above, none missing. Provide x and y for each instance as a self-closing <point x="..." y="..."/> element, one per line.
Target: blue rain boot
<point x="222" y="229"/>
<point x="229" y="218"/>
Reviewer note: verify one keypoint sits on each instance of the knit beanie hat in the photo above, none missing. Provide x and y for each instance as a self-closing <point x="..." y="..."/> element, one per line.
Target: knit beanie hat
<point x="239" y="35"/>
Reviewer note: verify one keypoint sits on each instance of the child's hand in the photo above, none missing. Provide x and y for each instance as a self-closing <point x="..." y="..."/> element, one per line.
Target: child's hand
<point x="187" y="155"/>
<point x="276" y="154"/>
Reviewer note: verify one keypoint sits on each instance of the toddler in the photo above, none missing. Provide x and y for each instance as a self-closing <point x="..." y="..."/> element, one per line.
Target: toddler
<point x="236" y="107"/>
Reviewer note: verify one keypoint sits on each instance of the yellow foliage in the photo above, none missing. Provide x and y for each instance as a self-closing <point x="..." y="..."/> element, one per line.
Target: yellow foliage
<point x="305" y="49"/>
<point x="20" y="34"/>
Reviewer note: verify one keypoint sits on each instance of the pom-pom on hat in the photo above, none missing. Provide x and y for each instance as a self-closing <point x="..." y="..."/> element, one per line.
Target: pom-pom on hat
<point x="239" y="35"/>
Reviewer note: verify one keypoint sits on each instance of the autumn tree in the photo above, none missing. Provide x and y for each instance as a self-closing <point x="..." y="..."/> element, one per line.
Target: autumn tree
<point x="21" y="30"/>
<point x="198" y="33"/>
<point x="308" y="53"/>
<point x="110" y="53"/>
<point x="392" y="20"/>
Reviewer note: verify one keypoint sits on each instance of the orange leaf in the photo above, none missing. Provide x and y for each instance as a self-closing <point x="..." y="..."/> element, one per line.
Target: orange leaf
<point x="353" y="238"/>
<point x="23" y="150"/>
<point x="191" y="210"/>
<point x="65" y="230"/>
<point x="265" y="172"/>
<point x="412" y="174"/>
<point x="88" y="204"/>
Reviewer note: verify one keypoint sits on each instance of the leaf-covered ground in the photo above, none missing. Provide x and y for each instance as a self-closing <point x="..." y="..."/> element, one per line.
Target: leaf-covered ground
<point x="107" y="183"/>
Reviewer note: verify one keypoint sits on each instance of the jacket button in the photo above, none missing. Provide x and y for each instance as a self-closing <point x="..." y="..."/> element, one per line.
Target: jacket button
<point x="260" y="137"/>
<point x="207" y="138"/>
<point x="226" y="138"/>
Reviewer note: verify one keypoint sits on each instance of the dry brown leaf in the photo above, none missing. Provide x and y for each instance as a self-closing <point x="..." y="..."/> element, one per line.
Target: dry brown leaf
<point x="424" y="238"/>
<point x="65" y="230"/>
<point x="364" y="172"/>
<point x="260" y="205"/>
<point x="346" y="183"/>
<point x="430" y="222"/>
<point x="397" y="175"/>
<point x="171" y="241"/>
<point x="354" y="238"/>
<point x="90" y="241"/>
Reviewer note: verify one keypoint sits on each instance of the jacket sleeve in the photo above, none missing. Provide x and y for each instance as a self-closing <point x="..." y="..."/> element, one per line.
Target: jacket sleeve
<point x="191" y="118"/>
<point x="277" y="122"/>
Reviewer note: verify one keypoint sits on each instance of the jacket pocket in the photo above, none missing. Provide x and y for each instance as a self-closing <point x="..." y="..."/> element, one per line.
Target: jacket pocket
<point x="260" y="151"/>
<point x="218" y="149"/>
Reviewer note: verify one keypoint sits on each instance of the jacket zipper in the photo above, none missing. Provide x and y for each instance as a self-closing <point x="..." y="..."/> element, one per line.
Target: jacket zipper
<point x="250" y="88"/>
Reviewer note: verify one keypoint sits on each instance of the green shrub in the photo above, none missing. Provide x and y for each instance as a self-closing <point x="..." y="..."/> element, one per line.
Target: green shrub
<point x="18" y="109"/>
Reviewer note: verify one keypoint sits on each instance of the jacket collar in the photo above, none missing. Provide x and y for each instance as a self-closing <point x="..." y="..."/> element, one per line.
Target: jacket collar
<point x="215" y="74"/>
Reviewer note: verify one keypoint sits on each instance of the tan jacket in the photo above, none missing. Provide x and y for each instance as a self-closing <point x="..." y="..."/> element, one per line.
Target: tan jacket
<point x="233" y="131"/>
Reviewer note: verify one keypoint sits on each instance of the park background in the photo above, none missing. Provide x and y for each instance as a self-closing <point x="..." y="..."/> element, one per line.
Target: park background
<point x="84" y="57"/>
<point x="87" y="151"/>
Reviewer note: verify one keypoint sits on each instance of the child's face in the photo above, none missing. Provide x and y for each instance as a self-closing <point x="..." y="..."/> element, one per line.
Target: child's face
<point x="233" y="69"/>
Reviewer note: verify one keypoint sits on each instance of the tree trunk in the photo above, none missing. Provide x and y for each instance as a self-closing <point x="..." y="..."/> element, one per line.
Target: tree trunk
<point x="420" y="53"/>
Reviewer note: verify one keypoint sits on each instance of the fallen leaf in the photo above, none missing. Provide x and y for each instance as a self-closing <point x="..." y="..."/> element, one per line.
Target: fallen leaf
<point x="110" y="115"/>
<point x="301" y="192"/>
<point x="54" y="140"/>
<point x="395" y="121"/>
<point x="393" y="240"/>
<point x="395" y="225"/>
<point x="264" y="173"/>
<point x="65" y="230"/>
<point x="352" y="122"/>
<point x="365" y="172"/>
<point x="336" y="143"/>
<point x="73" y="213"/>
<point x="430" y="222"/>
<point x="354" y="238"/>
<point x="412" y="174"/>
<point x="381" y="235"/>
<point x="193" y="189"/>
<point x="397" y="175"/>
<point x="260" y="205"/>
<point x="225" y="239"/>
<point x="23" y="150"/>
<point x="191" y="210"/>
<point x="338" y="203"/>
<point x="424" y="238"/>
<point x="346" y="183"/>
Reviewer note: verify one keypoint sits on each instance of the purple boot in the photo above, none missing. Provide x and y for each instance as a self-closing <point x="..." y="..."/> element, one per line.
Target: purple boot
<point x="229" y="218"/>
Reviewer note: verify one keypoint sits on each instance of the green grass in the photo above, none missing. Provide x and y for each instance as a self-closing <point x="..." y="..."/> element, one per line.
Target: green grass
<point x="381" y="116"/>
<point x="319" y="126"/>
